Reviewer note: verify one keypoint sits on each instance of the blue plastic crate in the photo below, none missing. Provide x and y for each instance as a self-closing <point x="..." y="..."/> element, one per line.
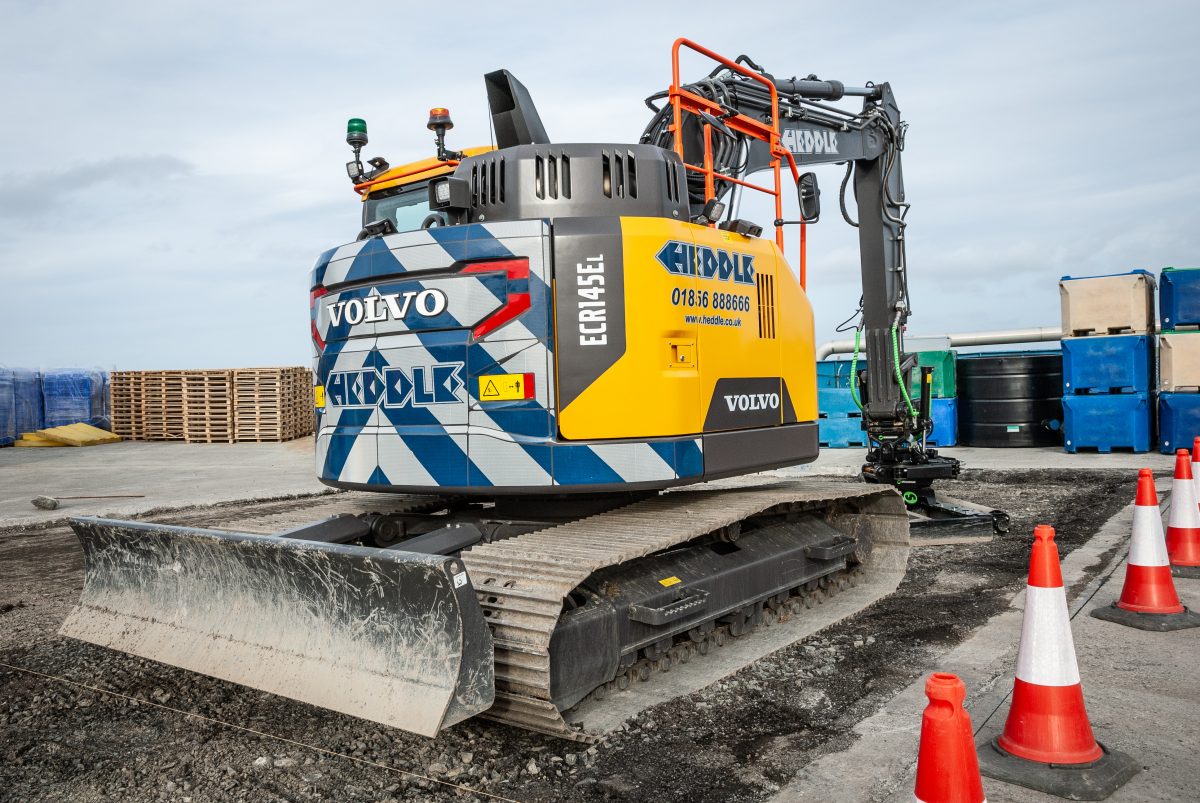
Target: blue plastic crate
<point x="1179" y="297"/>
<point x="841" y="433"/>
<point x="837" y="403"/>
<point x="1109" y="364"/>
<point x="1106" y="422"/>
<point x="1178" y="421"/>
<point x="944" y="413"/>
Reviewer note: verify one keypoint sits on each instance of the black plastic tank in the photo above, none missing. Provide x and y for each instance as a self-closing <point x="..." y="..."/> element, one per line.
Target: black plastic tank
<point x="1010" y="399"/>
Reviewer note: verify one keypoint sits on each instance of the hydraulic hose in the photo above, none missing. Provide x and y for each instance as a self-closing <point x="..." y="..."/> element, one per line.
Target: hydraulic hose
<point x="899" y="375"/>
<point x="854" y="370"/>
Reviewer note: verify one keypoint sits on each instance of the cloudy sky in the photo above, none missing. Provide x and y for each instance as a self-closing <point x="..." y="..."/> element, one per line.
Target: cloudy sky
<point x="170" y="170"/>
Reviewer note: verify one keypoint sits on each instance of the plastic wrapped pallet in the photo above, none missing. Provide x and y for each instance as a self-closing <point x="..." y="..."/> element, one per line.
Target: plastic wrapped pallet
<point x="27" y="389"/>
<point x="1107" y="305"/>
<point x="8" y="408"/>
<point x="73" y="396"/>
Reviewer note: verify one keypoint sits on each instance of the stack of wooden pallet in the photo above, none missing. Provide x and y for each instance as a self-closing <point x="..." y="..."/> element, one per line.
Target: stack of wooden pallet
<point x="125" y="403"/>
<point x="272" y="404"/>
<point x="208" y="407"/>
<point x="220" y="406"/>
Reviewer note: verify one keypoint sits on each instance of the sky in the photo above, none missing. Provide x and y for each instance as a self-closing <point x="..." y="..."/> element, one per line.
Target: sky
<point x="170" y="171"/>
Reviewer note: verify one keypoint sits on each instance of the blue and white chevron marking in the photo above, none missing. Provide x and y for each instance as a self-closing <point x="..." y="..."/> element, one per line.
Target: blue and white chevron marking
<point x="402" y="406"/>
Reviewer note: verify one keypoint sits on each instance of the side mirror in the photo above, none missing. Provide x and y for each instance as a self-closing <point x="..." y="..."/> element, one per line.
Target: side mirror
<point x="810" y="198"/>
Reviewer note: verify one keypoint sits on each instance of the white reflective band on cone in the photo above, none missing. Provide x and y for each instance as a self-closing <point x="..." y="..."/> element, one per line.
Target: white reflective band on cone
<point x="919" y="800"/>
<point x="1184" y="512"/>
<point x="1047" y="653"/>
<point x="1148" y="547"/>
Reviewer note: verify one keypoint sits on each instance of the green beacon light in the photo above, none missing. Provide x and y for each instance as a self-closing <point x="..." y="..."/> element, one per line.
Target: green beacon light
<point x="356" y="137"/>
<point x="356" y="132"/>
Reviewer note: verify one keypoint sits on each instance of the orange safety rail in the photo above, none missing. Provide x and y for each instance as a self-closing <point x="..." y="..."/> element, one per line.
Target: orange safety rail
<point x="685" y="102"/>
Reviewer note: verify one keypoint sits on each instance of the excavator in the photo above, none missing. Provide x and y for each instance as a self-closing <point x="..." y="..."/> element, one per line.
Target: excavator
<point x="563" y="368"/>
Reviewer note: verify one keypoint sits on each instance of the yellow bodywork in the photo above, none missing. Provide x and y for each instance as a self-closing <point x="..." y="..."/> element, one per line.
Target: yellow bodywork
<point x="413" y="172"/>
<point x="665" y="381"/>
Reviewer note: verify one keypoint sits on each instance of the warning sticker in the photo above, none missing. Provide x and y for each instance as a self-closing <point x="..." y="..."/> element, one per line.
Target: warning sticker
<point x="506" y="387"/>
<point x="319" y="395"/>
<point x="669" y="581"/>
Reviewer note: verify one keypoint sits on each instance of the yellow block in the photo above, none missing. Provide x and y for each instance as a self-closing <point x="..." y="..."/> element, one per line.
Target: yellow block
<point x="319" y="395"/>
<point x="29" y="440"/>
<point x="78" y="435"/>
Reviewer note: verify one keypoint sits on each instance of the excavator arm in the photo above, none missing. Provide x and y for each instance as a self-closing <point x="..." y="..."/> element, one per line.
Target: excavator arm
<point x="868" y="142"/>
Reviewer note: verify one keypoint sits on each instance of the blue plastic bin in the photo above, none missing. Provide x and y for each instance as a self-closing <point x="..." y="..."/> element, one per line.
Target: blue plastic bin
<point x="8" y="408"/>
<point x="841" y="433"/>
<point x="1179" y="297"/>
<point x="945" y="422"/>
<point x="1178" y="421"/>
<point x="1109" y="364"/>
<point x="837" y="403"/>
<point x="835" y="373"/>
<point x="27" y="388"/>
<point x="1106" y="422"/>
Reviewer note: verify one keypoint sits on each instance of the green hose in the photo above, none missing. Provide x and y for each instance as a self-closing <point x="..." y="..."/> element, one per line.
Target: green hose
<point x="854" y="370"/>
<point x="900" y="376"/>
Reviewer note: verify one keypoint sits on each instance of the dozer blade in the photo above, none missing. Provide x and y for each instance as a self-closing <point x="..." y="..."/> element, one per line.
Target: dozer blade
<point x="390" y="636"/>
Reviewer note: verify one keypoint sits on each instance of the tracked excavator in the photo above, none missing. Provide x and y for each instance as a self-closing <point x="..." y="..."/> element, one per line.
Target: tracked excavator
<point x="545" y="354"/>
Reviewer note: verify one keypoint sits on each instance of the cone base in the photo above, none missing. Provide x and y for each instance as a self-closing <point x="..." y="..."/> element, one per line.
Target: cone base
<point x="1158" y="622"/>
<point x="1186" y="572"/>
<point x="1094" y="781"/>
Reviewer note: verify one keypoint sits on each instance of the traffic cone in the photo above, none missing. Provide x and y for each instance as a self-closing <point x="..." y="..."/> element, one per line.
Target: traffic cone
<point x="1183" y="524"/>
<point x="947" y="768"/>
<point x="1047" y="743"/>
<point x="1148" y="599"/>
<point x="1196" y="467"/>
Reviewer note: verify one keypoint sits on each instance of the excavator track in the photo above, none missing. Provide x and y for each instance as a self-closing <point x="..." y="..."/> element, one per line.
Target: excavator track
<point x="522" y="581"/>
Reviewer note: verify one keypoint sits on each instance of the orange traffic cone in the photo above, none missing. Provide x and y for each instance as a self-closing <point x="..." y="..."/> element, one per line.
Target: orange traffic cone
<point x="1047" y="743"/>
<point x="1183" y="524"/>
<point x="1148" y="600"/>
<point x="1196" y="466"/>
<point x="947" y="768"/>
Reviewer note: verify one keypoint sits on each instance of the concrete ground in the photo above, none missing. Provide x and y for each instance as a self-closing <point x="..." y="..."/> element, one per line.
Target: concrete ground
<point x="181" y="474"/>
<point x="1141" y="689"/>
<point x="165" y="474"/>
